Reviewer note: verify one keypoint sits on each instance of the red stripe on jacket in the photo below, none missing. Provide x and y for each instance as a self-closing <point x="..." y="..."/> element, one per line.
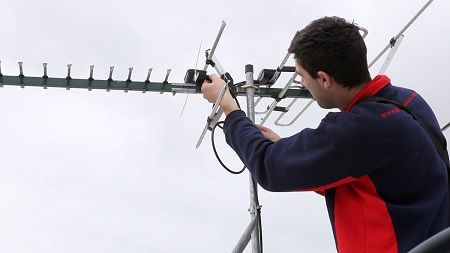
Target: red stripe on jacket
<point x="358" y="205"/>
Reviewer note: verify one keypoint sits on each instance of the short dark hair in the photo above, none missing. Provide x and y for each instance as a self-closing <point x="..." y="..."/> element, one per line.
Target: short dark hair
<point x="335" y="46"/>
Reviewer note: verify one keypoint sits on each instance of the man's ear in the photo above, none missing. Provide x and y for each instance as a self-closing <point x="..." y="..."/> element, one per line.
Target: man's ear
<point x="325" y="79"/>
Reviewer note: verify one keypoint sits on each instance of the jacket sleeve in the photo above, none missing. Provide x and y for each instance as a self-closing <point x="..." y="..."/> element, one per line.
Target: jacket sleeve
<point x="340" y="150"/>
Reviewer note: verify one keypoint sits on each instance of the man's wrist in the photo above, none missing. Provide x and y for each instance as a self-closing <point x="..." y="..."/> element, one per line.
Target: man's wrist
<point x="229" y="106"/>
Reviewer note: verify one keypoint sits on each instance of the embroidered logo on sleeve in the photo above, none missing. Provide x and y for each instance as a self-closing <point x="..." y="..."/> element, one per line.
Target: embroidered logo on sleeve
<point x="390" y="112"/>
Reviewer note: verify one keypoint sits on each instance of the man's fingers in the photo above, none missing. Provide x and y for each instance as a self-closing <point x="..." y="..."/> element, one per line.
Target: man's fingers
<point x="262" y="128"/>
<point x="214" y="77"/>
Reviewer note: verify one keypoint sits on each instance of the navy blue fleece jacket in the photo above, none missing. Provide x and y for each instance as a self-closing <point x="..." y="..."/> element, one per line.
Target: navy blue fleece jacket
<point x="385" y="185"/>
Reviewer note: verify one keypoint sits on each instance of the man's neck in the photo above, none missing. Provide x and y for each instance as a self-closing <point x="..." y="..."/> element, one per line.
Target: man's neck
<point x="347" y="95"/>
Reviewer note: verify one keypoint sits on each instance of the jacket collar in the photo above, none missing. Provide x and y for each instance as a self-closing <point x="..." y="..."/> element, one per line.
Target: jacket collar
<point x="371" y="88"/>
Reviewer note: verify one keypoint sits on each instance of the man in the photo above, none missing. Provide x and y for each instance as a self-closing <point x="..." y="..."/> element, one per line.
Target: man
<point x="385" y="185"/>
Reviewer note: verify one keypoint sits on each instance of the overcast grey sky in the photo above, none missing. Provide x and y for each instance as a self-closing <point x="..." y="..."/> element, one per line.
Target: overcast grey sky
<point x="117" y="172"/>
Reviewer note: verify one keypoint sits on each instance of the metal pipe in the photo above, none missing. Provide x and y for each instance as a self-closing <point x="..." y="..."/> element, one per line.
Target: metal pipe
<point x="217" y="66"/>
<point x="215" y="115"/>
<point x="256" y="103"/>
<point x="277" y="121"/>
<point x="274" y="78"/>
<point x="245" y="238"/>
<point x="400" y="33"/>
<point x="216" y="41"/>
<point x="391" y="54"/>
<point x="278" y="72"/>
<point x="217" y="111"/>
<point x="413" y="19"/>
<point x="254" y="205"/>
<point x="280" y="96"/>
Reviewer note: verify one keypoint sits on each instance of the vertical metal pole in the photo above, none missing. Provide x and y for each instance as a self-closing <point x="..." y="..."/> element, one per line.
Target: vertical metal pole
<point x="254" y="205"/>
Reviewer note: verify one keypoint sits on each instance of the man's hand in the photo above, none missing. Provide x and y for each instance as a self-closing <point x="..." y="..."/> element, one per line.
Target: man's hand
<point x="268" y="133"/>
<point x="211" y="90"/>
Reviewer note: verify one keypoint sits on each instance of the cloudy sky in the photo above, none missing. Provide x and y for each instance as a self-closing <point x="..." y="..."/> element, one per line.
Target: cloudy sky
<point x="93" y="171"/>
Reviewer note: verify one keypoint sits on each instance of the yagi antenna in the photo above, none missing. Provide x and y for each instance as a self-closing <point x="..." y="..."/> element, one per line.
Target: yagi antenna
<point x="110" y="83"/>
<point x="195" y="75"/>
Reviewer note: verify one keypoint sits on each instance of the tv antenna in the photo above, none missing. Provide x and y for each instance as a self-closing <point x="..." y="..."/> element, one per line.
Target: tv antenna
<point x="261" y="87"/>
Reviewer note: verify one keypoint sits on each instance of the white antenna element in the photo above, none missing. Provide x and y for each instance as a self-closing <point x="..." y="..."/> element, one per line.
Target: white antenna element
<point x="400" y="33"/>
<point x="216" y="41"/>
<point x="391" y="54"/>
<point x="195" y="77"/>
<point x="275" y="101"/>
<point x="217" y="111"/>
<point x="273" y="79"/>
<point x="277" y="121"/>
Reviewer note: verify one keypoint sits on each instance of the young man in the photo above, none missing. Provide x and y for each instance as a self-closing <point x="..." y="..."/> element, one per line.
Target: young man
<point x="385" y="185"/>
